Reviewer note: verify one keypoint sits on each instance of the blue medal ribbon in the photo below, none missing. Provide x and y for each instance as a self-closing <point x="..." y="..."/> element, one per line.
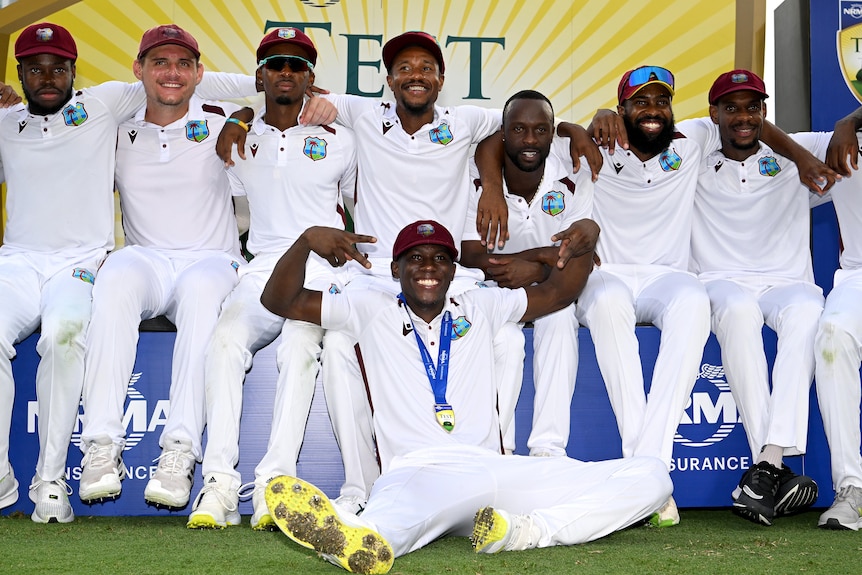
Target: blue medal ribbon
<point x="438" y="376"/>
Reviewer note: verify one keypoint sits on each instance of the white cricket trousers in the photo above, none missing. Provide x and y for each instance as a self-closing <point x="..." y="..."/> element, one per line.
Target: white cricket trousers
<point x="615" y="299"/>
<point x="138" y="283"/>
<point x="435" y="492"/>
<point x="740" y="308"/>
<point x="555" y="369"/>
<point x="55" y="290"/>
<point x="838" y="353"/>
<point x="244" y="327"/>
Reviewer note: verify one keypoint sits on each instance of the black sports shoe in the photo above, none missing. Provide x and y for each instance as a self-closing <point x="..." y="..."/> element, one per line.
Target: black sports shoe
<point x="754" y="499"/>
<point x="795" y="492"/>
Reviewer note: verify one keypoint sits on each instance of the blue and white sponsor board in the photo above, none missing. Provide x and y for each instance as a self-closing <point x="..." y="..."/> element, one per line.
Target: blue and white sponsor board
<point x="710" y="453"/>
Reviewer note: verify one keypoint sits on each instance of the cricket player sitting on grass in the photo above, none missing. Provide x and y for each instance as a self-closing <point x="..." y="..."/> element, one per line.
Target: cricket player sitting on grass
<point x="429" y="360"/>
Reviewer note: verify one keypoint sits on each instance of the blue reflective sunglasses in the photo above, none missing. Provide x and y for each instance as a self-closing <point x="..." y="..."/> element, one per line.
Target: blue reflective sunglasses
<point x="295" y="63"/>
<point x="646" y="74"/>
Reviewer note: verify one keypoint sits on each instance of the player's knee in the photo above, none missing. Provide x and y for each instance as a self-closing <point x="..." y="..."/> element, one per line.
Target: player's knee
<point x="63" y="335"/>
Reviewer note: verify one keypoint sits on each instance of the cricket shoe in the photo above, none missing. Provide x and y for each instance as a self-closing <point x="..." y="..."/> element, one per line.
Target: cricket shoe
<point x="8" y="490"/>
<point x="795" y="492"/>
<point x="307" y="516"/>
<point x="667" y="516"/>
<point x="495" y="530"/>
<point x="102" y="470"/>
<point x="217" y="504"/>
<point x="754" y="498"/>
<point x="171" y="484"/>
<point x="846" y="511"/>
<point x="261" y="519"/>
<point x="52" y="501"/>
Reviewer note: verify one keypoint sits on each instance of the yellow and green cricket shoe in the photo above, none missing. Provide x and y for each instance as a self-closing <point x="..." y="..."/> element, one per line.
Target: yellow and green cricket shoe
<point x="667" y="516"/>
<point x="306" y="515"/>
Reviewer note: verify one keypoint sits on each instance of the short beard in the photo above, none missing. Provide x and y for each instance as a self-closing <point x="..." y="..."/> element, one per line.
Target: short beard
<point x="38" y="110"/>
<point x="652" y="145"/>
<point x="286" y="100"/>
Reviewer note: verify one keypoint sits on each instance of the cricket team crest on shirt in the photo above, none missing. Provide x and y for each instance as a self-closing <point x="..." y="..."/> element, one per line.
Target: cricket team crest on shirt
<point x="669" y="160"/>
<point x="441" y="134"/>
<point x="460" y="327"/>
<point x="333" y="289"/>
<point x="768" y="166"/>
<point x="75" y="115"/>
<point x="197" y="130"/>
<point x="553" y="203"/>
<point x="314" y="148"/>
<point x="84" y="275"/>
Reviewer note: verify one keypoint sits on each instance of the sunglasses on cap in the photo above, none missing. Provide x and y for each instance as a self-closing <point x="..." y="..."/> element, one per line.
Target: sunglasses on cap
<point x="646" y="74"/>
<point x="295" y="63"/>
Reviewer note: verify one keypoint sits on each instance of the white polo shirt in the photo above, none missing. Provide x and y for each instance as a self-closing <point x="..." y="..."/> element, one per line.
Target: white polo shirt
<point x="645" y="208"/>
<point x="59" y="168"/>
<point x="408" y="177"/>
<point x="752" y="218"/>
<point x="174" y="192"/>
<point x="401" y="395"/>
<point x="294" y="180"/>
<point x="561" y="199"/>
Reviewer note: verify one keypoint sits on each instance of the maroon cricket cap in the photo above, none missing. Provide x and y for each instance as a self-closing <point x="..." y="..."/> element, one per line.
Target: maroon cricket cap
<point x="167" y="34"/>
<point x="287" y="36"/>
<point x="421" y="233"/>
<point x="734" y="81"/>
<point x="421" y="39"/>
<point x="45" y="38"/>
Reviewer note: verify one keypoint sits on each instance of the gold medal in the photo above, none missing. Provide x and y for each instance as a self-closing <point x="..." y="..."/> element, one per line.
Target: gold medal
<point x="445" y="416"/>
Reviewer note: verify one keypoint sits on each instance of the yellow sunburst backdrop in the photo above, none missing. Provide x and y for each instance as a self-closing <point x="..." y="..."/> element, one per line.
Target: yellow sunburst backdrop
<point x="573" y="51"/>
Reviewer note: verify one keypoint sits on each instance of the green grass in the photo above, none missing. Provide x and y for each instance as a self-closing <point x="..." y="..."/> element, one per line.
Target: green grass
<point x="706" y="542"/>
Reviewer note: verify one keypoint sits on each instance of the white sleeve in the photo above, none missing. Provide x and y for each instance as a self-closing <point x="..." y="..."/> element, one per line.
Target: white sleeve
<point x="349" y="312"/>
<point x="583" y="200"/>
<point x="561" y="150"/>
<point x="236" y="186"/>
<point x="814" y="142"/>
<point x="703" y="131"/>
<point x="483" y="121"/>
<point x="223" y="86"/>
<point x="475" y="190"/>
<point x="347" y="184"/>
<point x="121" y="98"/>
<point x="350" y="107"/>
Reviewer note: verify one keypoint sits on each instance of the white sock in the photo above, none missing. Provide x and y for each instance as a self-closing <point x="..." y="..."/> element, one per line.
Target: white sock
<point x="772" y="454"/>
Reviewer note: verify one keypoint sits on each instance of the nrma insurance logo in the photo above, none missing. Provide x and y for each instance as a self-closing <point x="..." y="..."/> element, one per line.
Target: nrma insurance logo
<point x="711" y="414"/>
<point x="140" y="417"/>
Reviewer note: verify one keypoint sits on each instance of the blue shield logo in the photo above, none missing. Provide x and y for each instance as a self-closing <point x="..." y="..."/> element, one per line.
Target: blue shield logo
<point x="197" y="130"/>
<point x="553" y="203"/>
<point x="768" y="166"/>
<point x="441" y="134"/>
<point x="314" y="148"/>
<point x="460" y="327"/>
<point x="75" y="115"/>
<point x="669" y="160"/>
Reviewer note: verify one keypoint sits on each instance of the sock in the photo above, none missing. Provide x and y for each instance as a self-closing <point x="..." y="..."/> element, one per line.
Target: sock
<point x="772" y="454"/>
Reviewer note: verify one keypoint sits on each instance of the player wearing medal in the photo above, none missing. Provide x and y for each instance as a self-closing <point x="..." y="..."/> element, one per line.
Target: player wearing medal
<point x="180" y="262"/>
<point x="544" y="198"/>
<point x="435" y="476"/>
<point x="294" y="178"/>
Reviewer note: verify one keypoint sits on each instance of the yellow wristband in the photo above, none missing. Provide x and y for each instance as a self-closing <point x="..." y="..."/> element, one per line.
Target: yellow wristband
<point x="239" y="123"/>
